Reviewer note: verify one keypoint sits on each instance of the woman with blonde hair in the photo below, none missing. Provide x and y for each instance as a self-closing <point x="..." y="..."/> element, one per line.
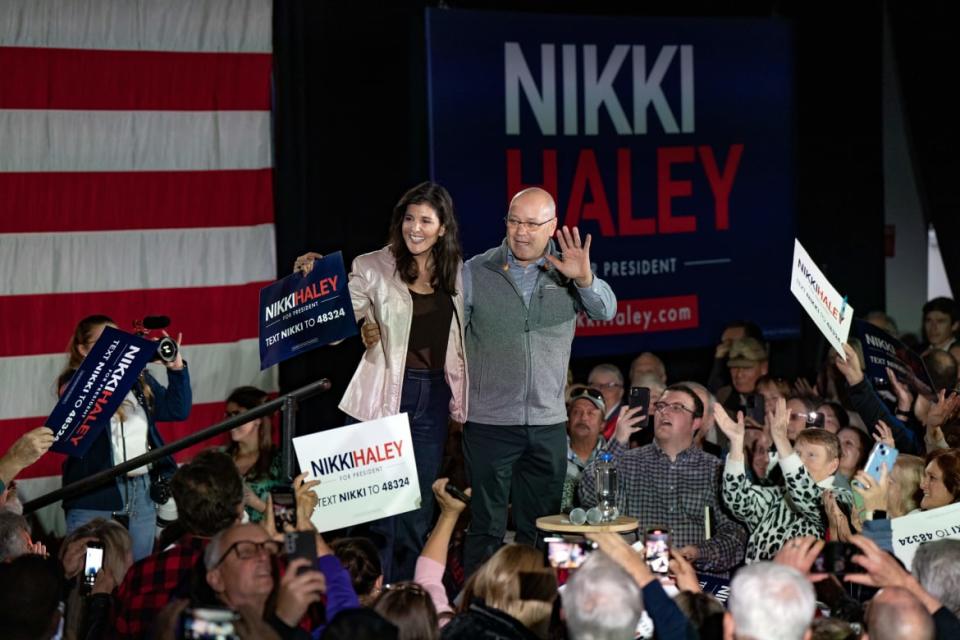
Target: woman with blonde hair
<point x="88" y="614"/>
<point x="511" y="594"/>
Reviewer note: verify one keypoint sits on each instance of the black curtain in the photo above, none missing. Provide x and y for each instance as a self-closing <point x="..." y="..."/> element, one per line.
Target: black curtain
<point x="924" y="49"/>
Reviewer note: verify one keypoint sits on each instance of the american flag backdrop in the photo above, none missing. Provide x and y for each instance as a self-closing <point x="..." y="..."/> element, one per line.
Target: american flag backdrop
<point x="135" y="179"/>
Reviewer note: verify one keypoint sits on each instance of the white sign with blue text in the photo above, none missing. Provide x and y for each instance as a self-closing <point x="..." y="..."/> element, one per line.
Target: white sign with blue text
<point x="366" y="471"/>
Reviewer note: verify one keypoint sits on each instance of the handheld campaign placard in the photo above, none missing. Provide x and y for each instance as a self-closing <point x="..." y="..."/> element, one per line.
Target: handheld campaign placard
<point x="827" y="308"/>
<point x="303" y="312"/>
<point x="910" y="531"/>
<point x="881" y="350"/>
<point x="96" y="390"/>
<point x="366" y="471"/>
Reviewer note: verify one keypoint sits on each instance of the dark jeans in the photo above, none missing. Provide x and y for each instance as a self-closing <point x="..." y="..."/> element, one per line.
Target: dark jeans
<point x="425" y="398"/>
<point x="521" y="464"/>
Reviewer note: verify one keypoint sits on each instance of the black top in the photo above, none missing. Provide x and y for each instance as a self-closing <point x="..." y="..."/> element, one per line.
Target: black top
<point x="430" y="330"/>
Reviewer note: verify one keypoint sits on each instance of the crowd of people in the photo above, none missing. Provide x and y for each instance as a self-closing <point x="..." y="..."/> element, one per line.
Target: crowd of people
<point x="761" y="483"/>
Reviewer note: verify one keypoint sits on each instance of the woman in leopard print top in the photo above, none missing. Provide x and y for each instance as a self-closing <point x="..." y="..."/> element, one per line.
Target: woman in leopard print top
<point x="774" y="515"/>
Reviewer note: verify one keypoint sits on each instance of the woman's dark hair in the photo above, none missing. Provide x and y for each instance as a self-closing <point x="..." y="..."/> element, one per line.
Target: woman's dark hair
<point x="408" y="606"/>
<point x="360" y="558"/>
<point x="866" y="444"/>
<point x="249" y="398"/>
<point x="843" y="418"/>
<point x="446" y="252"/>
<point x="948" y="460"/>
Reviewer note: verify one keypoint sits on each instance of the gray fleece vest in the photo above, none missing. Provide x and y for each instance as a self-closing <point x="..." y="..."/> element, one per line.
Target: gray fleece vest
<point x="517" y="356"/>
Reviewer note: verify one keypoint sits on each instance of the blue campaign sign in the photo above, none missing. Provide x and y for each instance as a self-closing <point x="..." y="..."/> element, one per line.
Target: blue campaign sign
<point x="97" y="389"/>
<point x="302" y="312"/>
<point x="881" y="350"/>
<point x="670" y="141"/>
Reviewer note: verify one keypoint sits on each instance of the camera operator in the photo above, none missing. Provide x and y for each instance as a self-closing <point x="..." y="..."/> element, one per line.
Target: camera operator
<point x="133" y="430"/>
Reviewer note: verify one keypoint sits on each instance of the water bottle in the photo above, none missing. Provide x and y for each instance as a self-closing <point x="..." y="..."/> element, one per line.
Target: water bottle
<point x="605" y="475"/>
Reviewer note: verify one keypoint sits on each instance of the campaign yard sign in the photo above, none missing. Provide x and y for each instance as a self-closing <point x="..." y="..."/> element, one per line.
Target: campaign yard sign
<point x="882" y="350"/>
<point x="366" y="471"/>
<point x="97" y="389"/>
<point x="302" y="312"/>
<point x="825" y="306"/>
<point x="910" y="531"/>
<point x="669" y="140"/>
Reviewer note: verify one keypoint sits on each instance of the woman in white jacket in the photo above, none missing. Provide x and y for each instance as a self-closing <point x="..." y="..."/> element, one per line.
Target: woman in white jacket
<point x="412" y="289"/>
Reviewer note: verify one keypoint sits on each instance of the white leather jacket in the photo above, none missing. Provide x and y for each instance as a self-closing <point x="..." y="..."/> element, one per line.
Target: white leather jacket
<point x="380" y="295"/>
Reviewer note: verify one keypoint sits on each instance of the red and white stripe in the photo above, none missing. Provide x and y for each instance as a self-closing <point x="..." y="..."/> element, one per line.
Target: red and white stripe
<point x="135" y="179"/>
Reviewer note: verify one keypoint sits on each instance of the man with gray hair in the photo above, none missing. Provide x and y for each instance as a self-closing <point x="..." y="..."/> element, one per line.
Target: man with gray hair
<point x="601" y="601"/>
<point x="937" y="566"/>
<point x="896" y="613"/>
<point x="14" y="536"/>
<point x="608" y="379"/>
<point x="769" y="600"/>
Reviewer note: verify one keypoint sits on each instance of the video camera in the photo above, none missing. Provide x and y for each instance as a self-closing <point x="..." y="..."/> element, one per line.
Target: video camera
<point x="167" y="347"/>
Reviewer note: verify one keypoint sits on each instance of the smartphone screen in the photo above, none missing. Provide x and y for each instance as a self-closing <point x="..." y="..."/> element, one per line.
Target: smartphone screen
<point x="566" y="556"/>
<point x="301" y="544"/>
<point x="639" y="397"/>
<point x="284" y="507"/>
<point x="208" y="624"/>
<point x="836" y="558"/>
<point x="92" y="564"/>
<point x="656" y="545"/>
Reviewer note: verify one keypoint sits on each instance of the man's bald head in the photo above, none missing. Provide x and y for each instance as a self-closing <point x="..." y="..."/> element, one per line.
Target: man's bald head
<point x="896" y="613"/>
<point x="531" y="220"/>
<point x="537" y="198"/>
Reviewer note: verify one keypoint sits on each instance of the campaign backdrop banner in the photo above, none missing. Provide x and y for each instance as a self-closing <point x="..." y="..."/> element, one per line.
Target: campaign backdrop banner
<point x="881" y="350"/>
<point x="824" y="304"/>
<point x="670" y="141"/>
<point x="302" y="312"/>
<point x="97" y="388"/>
<point x="366" y="471"/>
<point x="910" y="531"/>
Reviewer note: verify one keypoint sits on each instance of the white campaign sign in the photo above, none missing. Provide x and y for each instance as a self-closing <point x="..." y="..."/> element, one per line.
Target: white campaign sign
<point x="910" y="531"/>
<point x="820" y="300"/>
<point x="366" y="471"/>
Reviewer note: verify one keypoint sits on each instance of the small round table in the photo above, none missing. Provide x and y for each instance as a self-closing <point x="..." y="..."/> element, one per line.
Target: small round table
<point x="560" y="523"/>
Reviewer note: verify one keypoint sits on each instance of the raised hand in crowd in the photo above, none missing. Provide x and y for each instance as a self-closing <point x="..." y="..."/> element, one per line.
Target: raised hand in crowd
<point x="73" y="554"/>
<point x="574" y="261"/>
<point x="624" y="555"/>
<point x="450" y="510"/>
<point x="304" y="263"/>
<point x="800" y="554"/>
<point x="628" y="421"/>
<point x="778" y="429"/>
<point x="884" y="434"/>
<point x="307" y="501"/>
<point x="883" y="570"/>
<point x="804" y="389"/>
<point x="683" y="572"/>
<point x="104" y="583"/>
<point x="837" y="522"/>
<point x="735" y="431"/>
<point x="850" y="368"/>
<point x="177" y="363"/>
<point x="901" y="391"/>
<point x="874" y="494"/>
<point x="939" y="413"/>
<point x="24" y="452"/>
<point x="300" y="587"/>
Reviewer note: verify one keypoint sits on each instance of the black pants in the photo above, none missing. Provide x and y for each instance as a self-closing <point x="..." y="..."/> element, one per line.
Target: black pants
<point x="518" y="463"/>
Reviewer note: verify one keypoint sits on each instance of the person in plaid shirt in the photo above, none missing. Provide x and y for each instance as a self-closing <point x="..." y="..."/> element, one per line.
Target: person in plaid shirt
<point x="209" y="496"/>
<point x="672" y="483"/>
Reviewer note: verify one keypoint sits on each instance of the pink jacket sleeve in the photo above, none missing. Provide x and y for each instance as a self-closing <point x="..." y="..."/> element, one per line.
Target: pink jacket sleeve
<point x="429" y="575"/>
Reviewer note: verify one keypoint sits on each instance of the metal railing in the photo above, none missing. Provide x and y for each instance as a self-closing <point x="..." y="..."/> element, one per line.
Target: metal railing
<point x="286" y="403"/>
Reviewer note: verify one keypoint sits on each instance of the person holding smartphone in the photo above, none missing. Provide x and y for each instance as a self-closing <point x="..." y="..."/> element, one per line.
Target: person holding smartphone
<point x="412" y="291"/>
